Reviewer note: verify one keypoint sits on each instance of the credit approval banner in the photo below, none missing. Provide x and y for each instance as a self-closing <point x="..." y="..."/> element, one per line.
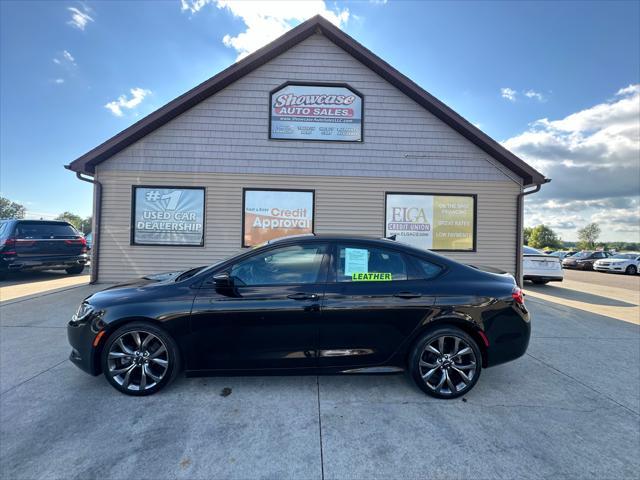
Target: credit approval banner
<point x="270" y="214"/>
<point x="433" y="222"/>
<point x="168" y="216"/>
<point x="316" y="112"/>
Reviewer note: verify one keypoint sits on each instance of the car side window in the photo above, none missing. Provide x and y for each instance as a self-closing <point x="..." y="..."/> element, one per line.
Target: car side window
<point x="281" y="266"/>
<point x="428" y="270"/>
<point x="366" y="264"/>
<point x="598" y="255"/>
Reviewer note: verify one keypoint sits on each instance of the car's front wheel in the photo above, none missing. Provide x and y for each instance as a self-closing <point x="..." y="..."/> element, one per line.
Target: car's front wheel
<point x="631" y="270"/>
<point x="445" y="363"/>
<point x="140" y="359"/>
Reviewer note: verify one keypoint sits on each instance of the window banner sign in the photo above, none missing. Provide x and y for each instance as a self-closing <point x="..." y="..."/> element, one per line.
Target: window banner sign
<point x="316" y="112"/>
<point x="433" y="222"/>
<point x="270" y="214"/>
<point x="168" y="216"/>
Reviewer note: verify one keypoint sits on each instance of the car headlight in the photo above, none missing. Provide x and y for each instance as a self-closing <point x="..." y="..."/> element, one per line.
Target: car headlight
<point x="85" y="310"/>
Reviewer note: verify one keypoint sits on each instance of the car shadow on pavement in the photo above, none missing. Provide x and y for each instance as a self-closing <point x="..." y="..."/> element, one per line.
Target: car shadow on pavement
<point x="577" y="296"/>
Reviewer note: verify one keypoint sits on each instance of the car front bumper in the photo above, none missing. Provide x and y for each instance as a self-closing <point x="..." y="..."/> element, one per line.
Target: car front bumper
<point x="544" y="278"/>
<point x="83" y="354"/>
<point x="610" y="268"/>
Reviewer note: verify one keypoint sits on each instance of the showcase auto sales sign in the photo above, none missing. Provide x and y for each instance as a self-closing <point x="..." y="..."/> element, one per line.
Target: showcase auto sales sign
<point x="316" y="112"/>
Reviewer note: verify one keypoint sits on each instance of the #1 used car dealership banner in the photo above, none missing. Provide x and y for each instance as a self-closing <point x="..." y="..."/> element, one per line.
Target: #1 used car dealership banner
<point x="168" y="216"/>
<point x="316" y="112"/>
<point x="270" y="214"/>
<point x="434" y="222"/>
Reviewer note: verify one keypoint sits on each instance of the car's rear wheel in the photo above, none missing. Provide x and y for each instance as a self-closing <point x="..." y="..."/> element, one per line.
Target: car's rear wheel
<point x="540" y="282"/>
<point x="445" y="363"/>
<point x="140" y="359"/>
<point x="75" y="270"/>
<point x="631" y="270"/>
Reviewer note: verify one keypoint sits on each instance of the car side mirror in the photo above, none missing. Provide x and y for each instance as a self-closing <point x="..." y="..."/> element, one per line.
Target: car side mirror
<point x="223" y="280"/>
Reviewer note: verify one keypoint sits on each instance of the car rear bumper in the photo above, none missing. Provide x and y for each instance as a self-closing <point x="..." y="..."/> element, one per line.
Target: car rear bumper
<point x="508" y="335"/>
<point x="43" y="263"/>
<point x="544" y="278"/>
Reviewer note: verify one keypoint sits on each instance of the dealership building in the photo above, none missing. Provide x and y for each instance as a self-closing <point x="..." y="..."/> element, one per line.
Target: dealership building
<point x="312" y="133"/>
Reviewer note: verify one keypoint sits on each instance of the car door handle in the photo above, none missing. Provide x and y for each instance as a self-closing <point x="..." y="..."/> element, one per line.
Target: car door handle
<point x="407" y="295"/>
<point x="303" y="296"/>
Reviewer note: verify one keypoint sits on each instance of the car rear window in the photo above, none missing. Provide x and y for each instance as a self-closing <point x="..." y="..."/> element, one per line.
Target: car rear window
<point x="45" y="230"/>
<point x="531" y="251"/>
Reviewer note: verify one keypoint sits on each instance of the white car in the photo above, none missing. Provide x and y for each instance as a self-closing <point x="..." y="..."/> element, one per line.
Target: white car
<point x="628" y="263"/>
<point x="541" y="268"/>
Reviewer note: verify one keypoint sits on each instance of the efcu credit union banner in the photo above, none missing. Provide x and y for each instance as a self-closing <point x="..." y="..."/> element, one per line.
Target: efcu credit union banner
<point x="433" y="222"/>
<point x="316" y="112"/>
<point x="270" y="214"/>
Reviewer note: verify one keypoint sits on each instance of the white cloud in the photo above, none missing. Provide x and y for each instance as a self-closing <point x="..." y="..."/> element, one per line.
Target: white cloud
<point x="80" y="17"/>
<point x="59" y="81"/>
<point x="266" y="21"/>
<point x="593" y="159"/>
<point x="65" y="58"/>
<point x="533" y="94"/>
<point x="137" y="95"/>
<point x="508" y="93"/>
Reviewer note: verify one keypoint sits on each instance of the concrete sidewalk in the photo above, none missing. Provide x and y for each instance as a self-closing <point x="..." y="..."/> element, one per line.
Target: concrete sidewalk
<point x="561" y="411"/>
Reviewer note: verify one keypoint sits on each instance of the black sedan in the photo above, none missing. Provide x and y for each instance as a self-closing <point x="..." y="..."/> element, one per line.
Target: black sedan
<point x="584" y="260"/>
<point x="307" y="304"/>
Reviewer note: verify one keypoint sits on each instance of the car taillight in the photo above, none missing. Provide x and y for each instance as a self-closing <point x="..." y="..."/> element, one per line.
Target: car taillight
<point x="8" y="247"/>
<point x="78" y="241"/>
<point x="518" y="295"/>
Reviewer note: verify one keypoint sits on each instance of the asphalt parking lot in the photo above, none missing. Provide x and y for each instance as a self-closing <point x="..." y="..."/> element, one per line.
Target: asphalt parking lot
<point x="570" y="408"/>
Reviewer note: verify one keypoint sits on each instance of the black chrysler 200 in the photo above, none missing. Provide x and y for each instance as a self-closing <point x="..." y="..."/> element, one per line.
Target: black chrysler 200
<point x="306" y="304"/>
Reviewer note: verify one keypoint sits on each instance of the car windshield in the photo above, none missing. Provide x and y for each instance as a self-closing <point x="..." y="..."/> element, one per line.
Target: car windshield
<point x="192" y="271"/>
<point x="625" y="256"/>
<point x="531" y="251"/>
<point x="582" y="254"/>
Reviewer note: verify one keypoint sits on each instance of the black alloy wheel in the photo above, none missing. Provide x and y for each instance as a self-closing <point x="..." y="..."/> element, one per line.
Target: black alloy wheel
<point x="140" y="359"/>
<point x="445" y="363"/>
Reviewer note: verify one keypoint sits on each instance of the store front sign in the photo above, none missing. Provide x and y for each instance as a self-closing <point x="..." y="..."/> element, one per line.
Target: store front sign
<point x="434" y="222"/>
<point x="316" y="112"/>
<point x="269" y="214"/>
<point x="167" y="216"/>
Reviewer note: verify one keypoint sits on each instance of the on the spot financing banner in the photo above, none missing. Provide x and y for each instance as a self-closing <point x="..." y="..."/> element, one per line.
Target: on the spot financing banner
<point x="434" y="222"/>
<point x="316" y="112"/>
<point x="270" y="214"/>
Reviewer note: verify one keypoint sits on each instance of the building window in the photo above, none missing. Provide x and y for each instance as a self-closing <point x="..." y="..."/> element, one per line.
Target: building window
<point x="168" y="216"/>
<point x="269" y="214"/>
<point x="445" y="222"/>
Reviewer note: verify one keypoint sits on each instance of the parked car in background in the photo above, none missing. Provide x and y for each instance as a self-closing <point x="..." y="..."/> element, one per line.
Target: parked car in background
<point x="41" y="245"/>
<point x="562" y="254"/>
<point x="89" y="238"/>
<point x="539" y="267"/>
<point x="628" y="263"/>
<point x="306" y="304"/>
<point x="584" y="260"/>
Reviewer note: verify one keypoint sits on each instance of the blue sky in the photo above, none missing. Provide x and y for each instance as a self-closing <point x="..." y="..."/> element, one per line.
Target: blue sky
<point x="556" y="82"/>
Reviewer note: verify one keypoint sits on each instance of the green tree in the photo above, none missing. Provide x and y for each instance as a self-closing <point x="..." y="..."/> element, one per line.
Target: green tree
<point x="588" y="236"/>
<point x="72" y="218"/>
<point x="544" y="237"/>
<point x="526" y="235"/>
<point x="9" y="209"/>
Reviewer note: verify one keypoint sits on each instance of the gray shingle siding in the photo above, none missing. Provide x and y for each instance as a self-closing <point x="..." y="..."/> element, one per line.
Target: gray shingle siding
<point x="228" y="132"/>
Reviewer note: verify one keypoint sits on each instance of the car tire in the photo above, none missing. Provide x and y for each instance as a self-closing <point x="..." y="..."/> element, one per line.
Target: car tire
<point x="540" y="282"/>
<point x="137" y="350"/>
<point x="631" y="270"/>
<point x="438" y="373"/>
<point x="74" y="270"/>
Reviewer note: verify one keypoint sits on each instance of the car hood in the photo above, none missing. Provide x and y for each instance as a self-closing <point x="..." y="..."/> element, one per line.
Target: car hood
<point x="614" y="260"/>
<point x="133" y="288"/>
